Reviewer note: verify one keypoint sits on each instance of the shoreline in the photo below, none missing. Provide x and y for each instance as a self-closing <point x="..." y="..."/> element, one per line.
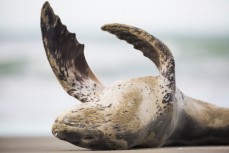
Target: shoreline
<point x="52" y="144"/>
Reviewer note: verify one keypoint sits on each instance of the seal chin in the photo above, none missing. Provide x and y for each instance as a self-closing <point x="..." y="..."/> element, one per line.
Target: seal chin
<point x="86" y="137"/>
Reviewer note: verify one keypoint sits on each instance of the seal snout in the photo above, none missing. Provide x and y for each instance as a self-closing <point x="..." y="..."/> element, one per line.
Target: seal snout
<point x="86" y="137"/>
<point x="74" y="135"/>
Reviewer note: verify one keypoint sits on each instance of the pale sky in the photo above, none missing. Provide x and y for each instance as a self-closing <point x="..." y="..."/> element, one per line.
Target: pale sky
<point x="182" y="16"/>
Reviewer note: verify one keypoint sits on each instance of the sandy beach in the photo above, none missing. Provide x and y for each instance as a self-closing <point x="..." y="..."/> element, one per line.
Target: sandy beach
<point x="51" y="145"/>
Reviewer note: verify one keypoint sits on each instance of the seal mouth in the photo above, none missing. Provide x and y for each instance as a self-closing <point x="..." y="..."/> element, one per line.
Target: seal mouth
<point x="70" y="132"/>
<point x="87" y="138"/>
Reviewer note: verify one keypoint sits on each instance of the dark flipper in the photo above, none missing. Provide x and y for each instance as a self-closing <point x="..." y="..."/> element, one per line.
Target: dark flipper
<point x="66" y="57"/>
<point x="152" y="48"/>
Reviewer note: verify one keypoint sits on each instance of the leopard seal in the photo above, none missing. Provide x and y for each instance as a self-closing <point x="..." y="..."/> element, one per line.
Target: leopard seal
<point x="148" y="111"/>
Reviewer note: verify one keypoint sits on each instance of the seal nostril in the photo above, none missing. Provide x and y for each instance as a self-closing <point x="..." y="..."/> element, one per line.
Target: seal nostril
<point x="55" y="133"/>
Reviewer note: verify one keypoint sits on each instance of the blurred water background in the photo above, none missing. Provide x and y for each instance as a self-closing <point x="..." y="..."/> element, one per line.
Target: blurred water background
<point x="197" y="32"/>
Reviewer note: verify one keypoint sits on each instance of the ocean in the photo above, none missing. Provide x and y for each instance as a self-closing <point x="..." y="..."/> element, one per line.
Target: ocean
<point x="31" y="97"/>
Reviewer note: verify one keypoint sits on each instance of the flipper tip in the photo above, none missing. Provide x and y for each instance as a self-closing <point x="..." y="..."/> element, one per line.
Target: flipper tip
<point x="47" y="14"/>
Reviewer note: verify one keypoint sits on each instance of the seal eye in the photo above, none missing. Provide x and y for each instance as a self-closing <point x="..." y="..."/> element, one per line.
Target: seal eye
<point x="88" y="137"/>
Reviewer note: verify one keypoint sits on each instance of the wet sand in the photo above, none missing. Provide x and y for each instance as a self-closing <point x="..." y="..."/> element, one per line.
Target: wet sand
<point x="51" y="145"/>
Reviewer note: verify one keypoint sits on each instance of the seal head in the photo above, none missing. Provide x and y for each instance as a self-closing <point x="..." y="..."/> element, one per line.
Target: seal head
<point x="122" y="119"/>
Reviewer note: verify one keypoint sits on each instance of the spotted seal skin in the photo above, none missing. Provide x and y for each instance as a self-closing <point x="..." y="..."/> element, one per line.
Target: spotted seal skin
<point x="140" y="112"/>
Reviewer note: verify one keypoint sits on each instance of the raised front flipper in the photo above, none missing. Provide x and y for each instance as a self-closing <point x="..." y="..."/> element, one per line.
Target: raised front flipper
<point x="152" y="48"/>
<point x="66" y="57"/>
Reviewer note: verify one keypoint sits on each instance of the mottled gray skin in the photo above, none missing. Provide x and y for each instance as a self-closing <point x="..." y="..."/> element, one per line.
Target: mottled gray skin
<point x="140" y="112"/>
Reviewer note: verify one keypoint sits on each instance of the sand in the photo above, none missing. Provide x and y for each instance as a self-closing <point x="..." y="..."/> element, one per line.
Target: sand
<point x="51" y="145"/>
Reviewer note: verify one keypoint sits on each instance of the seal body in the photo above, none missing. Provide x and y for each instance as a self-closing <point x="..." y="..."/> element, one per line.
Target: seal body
<point x="200" y="123"/>
<point x="141" y="112"/>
